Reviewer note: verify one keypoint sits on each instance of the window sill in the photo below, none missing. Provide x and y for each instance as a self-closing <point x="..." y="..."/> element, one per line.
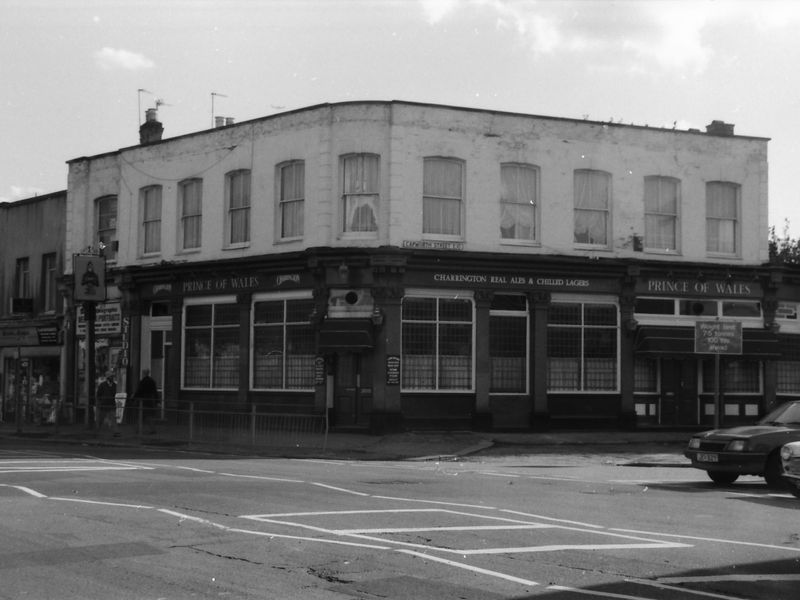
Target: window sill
<point x="241" y="246"/>
<point x="188" y="251"/>
<point x="723" y="255"/>
<point x="516" y="242"/>
<point x="662" y="251"/>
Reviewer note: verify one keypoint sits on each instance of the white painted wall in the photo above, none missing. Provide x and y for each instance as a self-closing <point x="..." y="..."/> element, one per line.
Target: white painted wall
<point x="403" y="134"/>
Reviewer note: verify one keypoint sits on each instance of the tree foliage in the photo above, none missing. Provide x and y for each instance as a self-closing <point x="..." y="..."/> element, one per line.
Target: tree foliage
<point x="783" y="250"/>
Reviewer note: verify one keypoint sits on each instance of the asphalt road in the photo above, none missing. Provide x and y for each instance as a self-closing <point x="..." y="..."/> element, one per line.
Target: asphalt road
<point x="96" y="523"/>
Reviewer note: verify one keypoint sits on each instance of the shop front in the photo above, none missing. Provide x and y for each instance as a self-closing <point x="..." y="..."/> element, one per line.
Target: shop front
<point x="30" y="358"/>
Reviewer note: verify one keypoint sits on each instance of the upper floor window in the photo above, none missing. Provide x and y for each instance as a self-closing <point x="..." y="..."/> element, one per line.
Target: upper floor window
<point x="150" y="199"/>
<point x="292" y="194"/>
<point x="106" y="213"/>
<point x="190" y="197"/>
<point x="360" y="192"/>
<point x="49" y="283"/>
<point x="442" y="196"/>
<point x="722" y="217"/>
<point x="661" y="201"/>
<point x="592" y="202"/>
<point x="22" y="278"/>
<point x="237" y="204"/>
<point x="518" y="202"/>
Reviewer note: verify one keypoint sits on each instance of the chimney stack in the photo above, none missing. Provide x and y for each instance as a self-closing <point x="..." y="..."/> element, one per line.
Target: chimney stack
<point x="720" y="128"/>
<point x="150" y="131"/>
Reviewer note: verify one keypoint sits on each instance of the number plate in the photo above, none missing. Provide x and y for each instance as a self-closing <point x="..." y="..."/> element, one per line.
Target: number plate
<point x="707" y="457"/>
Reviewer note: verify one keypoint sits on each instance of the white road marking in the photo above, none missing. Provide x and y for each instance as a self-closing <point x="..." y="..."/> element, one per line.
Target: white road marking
<point x="707" y="539"/>
<point x="564" y="588"/>
<point x="104" y="503"/>
<point x="338" y="489"/>
<point x="65" y="465"/>
<point x="474" y="569"/>
<point x="684" y="590"/>
<point x="27" y="490"/>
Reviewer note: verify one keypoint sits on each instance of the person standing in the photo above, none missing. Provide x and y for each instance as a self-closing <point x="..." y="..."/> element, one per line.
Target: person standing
<point x="147" y="395"/>
<point x="107" y="403"/>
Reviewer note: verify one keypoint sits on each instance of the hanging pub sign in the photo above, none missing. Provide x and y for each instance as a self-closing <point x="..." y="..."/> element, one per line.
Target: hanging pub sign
<point x="90" y="277"/>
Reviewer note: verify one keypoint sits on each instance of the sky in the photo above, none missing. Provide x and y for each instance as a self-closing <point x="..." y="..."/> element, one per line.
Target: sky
<point x="77" y="75"/>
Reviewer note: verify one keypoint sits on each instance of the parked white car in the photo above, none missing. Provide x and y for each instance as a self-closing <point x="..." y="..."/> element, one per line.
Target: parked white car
<point x="790" y="460"/>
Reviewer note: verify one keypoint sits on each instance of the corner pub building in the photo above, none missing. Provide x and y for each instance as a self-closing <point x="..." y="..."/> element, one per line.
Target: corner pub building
<point x="407" y="265"/>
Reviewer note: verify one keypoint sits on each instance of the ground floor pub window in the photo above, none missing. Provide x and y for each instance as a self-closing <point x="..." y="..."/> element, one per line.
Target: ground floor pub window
<point x="738" y="376"/>
<point x="508" y="344"/>
<point x="211" y="344"/>
<point x="437" y="342"/>
<point x="283" y="343"/>
<point x="582" y="346"/>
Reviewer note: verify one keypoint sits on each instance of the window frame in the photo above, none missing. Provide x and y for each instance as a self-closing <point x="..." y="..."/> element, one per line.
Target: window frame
<point x="583" y="301"/>
<point x="660" y="214"/>
<point x="196" y="184"/>
<point x="438" y="323"/>
<point x="519" y="204"/>
<point x="284" y="203"/>
<point x="430" y="196"/>
<point x="107" y="235"/>
<point x="284" y="297"/>
<point x="524" y="314"/>
<point x="49" y="282"/>
<point x="719" y="220"/>
<point x="150" y="220"/>
<point x="22" y="278"/>
<point x="233" y="211"/>
<point x="212" y="301"/>
<point x="373" y="197"/>
<point x="582" y="211"/>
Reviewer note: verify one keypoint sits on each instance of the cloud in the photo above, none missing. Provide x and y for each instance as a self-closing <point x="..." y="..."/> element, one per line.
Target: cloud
<point x="632" y="36"/>
<point x="436" y="10"/>
<point x="117" y="58"/>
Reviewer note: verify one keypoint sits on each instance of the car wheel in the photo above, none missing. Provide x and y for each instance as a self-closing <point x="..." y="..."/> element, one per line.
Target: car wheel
<point x="722" y="478"/>
<point x="773" y="470"/>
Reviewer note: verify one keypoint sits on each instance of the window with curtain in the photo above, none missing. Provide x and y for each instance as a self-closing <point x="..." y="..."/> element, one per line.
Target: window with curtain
<point x="592" y="202"/>
<point x="292" y="198"/>
<point x="508" y="344"/>
<point x="582" y="347"/>
<point x="106" y="212"/>
<point x="661" y="201"/>
<point x="437" y="349"/>
<point x="518" y="201"/>
<point x="49" y="283"/>
<point x="150" y="202"/>
<point x="237" y="200"/>
<point x="283" y="344"/>
<point x="190" y="196"/>
<point x="722" y="217"/>
<point x="211" y="345"/>
<point x="360" y="194"/>
<point x="442" y="196"/>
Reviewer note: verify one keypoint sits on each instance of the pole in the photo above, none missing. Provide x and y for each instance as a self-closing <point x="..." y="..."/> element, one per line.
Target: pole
<point x="717" y="395"/>
<point x="18" y="390"/>
<point x="90" y="314"/>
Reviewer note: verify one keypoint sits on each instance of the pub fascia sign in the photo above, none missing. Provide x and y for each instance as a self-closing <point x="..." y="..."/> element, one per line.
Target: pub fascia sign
<point x="694" y="287"/>
<point x="238" y="284"/>
<point x="513" y="281"/>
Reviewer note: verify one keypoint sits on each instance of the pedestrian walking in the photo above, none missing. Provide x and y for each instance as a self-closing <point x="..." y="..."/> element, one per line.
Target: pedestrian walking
<point x="147" y="395"/>
<point x="107" y="403"/>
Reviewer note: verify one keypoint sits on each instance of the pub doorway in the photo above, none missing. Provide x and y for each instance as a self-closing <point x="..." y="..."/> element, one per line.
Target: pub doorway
<point x="679" y="392"/>
<point x="352" y="399"/>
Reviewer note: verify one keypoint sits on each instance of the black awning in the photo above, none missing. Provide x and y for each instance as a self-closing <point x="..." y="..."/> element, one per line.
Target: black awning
<point x="346" y="334"/>
<point x="672" y="341"/>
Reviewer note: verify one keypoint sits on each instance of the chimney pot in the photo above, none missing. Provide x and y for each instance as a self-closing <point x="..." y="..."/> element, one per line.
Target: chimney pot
<point x="228" y="120"/>
<point x="151" y="130"/>
<point x="219" y="121"/>
<point x="720" y="128"/>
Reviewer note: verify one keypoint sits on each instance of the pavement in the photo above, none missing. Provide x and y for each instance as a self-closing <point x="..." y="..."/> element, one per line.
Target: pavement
<point x="639" y="447"/>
